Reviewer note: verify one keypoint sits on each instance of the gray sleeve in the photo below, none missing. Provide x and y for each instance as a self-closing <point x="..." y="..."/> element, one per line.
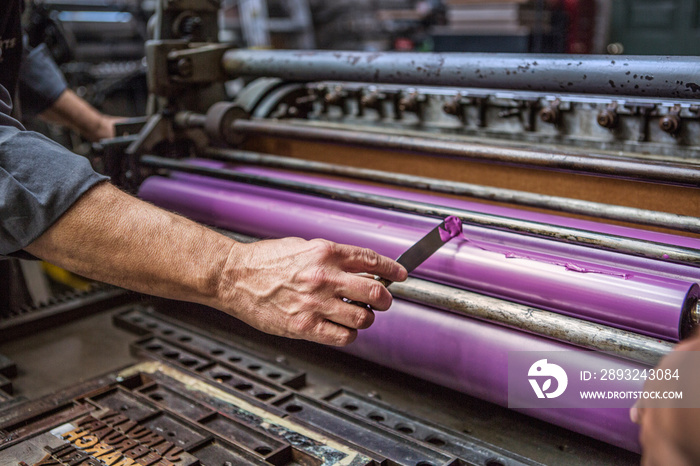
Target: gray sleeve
<point x="39" y="181"/>
<point x="41" y="83"/>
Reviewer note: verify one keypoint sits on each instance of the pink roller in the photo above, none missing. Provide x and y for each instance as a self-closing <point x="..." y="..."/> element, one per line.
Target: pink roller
<point x="614" y="296"/>
<point x="472" y="357"/>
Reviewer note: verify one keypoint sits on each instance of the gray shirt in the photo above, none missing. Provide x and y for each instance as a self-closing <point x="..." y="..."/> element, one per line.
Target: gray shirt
<point x="39" y="181"/>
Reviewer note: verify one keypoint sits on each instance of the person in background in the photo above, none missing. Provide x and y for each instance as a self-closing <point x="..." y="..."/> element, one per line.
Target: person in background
<point x="38" y="86"/>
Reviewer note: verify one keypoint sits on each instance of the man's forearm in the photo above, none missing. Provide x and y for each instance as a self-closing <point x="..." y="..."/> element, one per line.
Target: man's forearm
<point x="289" y="287"/>
<point x="75" y="113"/>
<point x="110" y="236"/>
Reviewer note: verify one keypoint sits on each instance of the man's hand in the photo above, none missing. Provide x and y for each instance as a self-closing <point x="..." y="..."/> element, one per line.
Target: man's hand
<point x="669" y="434"/>
<point x="295" y="288"/>
<point x="288" y="287"/>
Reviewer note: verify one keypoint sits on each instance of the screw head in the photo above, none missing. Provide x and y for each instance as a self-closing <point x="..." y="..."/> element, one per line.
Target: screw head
<point x="670" y="123"/>
<point x="184" y="67"/>
<point x="608" y="119"/>
<point x="549" y="115"/>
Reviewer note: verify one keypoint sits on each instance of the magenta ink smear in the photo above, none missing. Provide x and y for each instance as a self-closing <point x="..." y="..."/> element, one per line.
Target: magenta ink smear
<point x="453" y="227"/>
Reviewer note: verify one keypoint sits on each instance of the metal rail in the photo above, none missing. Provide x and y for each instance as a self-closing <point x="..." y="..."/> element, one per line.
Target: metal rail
<point x="578" y="332"/>
<point x="649" y="249"/>
<point x="614" y="167"/>
<point x="559" y="327"/>
<point x="663" y="77"/>
<point x="575" y="206"/>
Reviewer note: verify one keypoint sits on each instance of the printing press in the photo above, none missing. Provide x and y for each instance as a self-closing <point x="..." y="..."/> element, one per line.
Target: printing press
<point x="576" y="180"/>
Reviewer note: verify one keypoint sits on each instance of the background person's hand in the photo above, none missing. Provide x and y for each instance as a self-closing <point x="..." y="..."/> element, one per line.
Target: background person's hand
<point x="295" y="288"/>
<point x="668" y="434"/>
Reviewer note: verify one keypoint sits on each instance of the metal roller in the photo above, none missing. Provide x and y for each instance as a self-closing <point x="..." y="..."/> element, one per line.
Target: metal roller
<point x="666" y="77"/>
<point x="613" y="296"/>
<point x="593" y="209"/>
<point x="472" y="357"/>
<point x="613" y="167"/>
<point x="581" y="333"/>
<point x="569" y="235"/>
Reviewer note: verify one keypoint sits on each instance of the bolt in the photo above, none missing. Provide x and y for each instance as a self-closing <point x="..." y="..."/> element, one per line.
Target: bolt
<point x="549" y="115"/>
<point x="608" y="118"/>
<point x="184" y="67"/>
<point x="453" y="106"/>
<point x="191" y="26"/>
<point x="369" y="100"/>
<point x="409" y="103"/>
<point x="670" y="123"/>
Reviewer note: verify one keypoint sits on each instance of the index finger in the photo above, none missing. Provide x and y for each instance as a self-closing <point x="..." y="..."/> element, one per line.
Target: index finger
<point x="359" y="260"/>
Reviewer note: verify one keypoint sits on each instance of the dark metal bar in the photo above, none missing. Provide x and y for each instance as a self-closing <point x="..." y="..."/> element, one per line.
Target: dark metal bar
<point x="575" y="206"/>
<point x="620" y="244"/>
<point x="190" y="120"/>
<point x="614" y="167"/>
<point x="559" y="327"/>
<point x="660" y="77"/>
<point x="578" y="332"/>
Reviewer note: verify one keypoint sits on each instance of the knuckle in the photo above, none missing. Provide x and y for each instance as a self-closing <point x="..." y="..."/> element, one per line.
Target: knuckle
<point x="371" y="258"/>
<point x="379" y="297"/>
<point x="325" y="249"/>
<point x="304" y="324"/>
<point x="345" y="337"/>
<point x="376" y="292"/>
<point x="318" y="277"/>
<point x="364" y="319"/>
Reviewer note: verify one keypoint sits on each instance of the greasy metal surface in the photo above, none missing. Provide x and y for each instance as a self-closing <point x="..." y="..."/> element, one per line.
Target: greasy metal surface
<point x="568" y="235"/>
<point x="329" y="370"/>
<point x="320" y="445"/>
<point x="361" y="433"/>
<point x="8" y="368"/>
<point x="54" y="358"/>
<point x="459" y="444"/>
<point x="122" y="416"/>
<point x="673" y="77"/>
<point x="594" y="209"/>
<point x="695" y="314"/>
<point x="203" y="349"/>
<point x="558" y="327"/>
<point x="588" y="164"/>
<point x="18" y="322"/>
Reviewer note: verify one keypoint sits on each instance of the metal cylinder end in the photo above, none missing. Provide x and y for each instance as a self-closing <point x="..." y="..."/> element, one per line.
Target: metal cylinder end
<point x="695" y="313"/>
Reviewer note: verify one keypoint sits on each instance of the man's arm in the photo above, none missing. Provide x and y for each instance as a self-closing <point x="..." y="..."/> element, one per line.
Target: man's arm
<point x="288" y="287"/>
<point x="75" y="113"/>
<point x="44" y="92"/>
